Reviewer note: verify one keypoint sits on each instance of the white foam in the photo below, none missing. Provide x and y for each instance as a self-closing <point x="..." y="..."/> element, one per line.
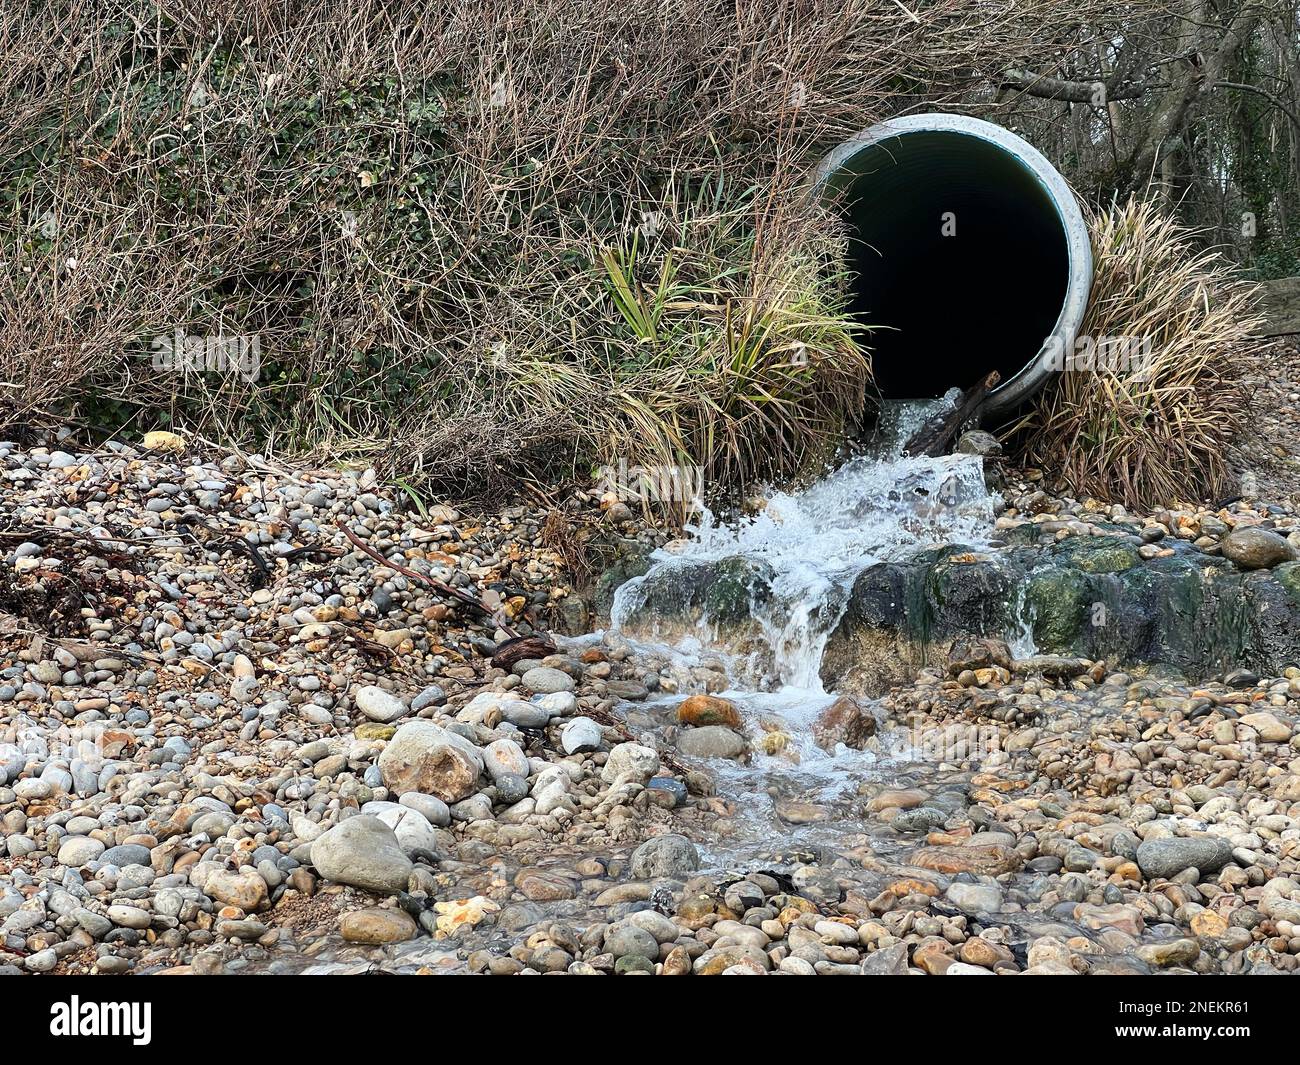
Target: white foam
<point x="819" y="539"/>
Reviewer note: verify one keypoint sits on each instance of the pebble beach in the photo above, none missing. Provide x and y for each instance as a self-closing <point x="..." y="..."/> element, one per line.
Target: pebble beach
<point x="272" y="720"/>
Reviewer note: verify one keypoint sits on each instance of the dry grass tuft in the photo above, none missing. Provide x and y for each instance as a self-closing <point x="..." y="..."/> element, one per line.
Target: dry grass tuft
<point x="426" y="215"/>
<point x="1151" y="429"/>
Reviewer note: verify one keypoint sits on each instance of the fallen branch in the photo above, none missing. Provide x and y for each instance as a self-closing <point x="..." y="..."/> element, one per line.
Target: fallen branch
<point x="933" y="438"/>
<point x="428" y="582"/>
<point x="105" y="548"/>
<point x="307" y="552"/>
<point x="1077" y="92"/>
<point x="218" y="541"/>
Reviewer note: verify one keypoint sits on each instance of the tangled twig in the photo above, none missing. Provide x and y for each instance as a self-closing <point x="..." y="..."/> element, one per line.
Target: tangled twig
<point x="429" y="582"/>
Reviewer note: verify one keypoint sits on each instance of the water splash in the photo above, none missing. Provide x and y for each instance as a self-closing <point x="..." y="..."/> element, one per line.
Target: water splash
<point x="900" y="420"/>
<point x="1021" y="639"/>
<point x="814" y="542"/>
<point x="764" y="594"/>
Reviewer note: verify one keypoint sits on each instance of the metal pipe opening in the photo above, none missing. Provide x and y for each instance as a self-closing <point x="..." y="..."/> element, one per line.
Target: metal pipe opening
<point x="968" y="254"/>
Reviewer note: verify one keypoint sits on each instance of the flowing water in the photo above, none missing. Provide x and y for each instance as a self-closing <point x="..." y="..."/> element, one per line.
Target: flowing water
<point x="818" y="540"/>
<point x="791" y="797"/>
<point x="813" y="542"/>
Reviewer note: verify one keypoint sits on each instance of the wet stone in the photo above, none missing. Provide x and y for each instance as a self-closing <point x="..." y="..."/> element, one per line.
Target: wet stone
<point x="664" y="856"/>
<point x="376" y="926"/>
<point x="1168" y="857"/>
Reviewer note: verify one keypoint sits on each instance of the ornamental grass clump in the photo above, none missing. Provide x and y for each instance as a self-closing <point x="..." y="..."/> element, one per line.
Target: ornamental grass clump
<point x="1142" y="411"/>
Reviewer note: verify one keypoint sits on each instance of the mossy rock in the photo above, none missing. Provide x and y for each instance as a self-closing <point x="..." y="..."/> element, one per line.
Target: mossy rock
<point x="1059" y="600"/>
<point x="609" y="582"/>
<point x="734" y="588"/>
<point x="880" y="640"/>
<point x="573" y="615"/>
<point x="725" y="593"/>
<point x="1288" y="575"/>
<point x="1022" y="535"/>
<point x="1098" y="554"/>
<point x="1188" y="612"/>
<point x="373" y="730"/>
<point x="1270" y="619"/>
<point x="969" y="593"/>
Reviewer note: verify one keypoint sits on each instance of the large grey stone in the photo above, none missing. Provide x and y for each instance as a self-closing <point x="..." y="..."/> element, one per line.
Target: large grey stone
<point x="433" y="808"/>
<point x="126" y="854"/>
<point x="975" y="898"/>
<point x="888" y="961"/>
<point x="525" y="715"/>
<point x="1169" y="857"/>
<point x="580" y="734"/>
<point x="544" y="680"/>
<point x="427" y="758"/>
<point x="504" y="757"/>
<point x="667" y="856"/>
<point x="379" y="705"/>
<point x="712" y="741"/>
<point x="1251" y="547"/>
<point x="364" y="852"/>
<point x="630" y="760"/>
<point x="76" y="851"/>
<point x="625" y="939"/>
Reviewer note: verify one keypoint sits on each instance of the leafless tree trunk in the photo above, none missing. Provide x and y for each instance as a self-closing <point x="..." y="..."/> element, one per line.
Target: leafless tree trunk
<point x="1198" y="65"/>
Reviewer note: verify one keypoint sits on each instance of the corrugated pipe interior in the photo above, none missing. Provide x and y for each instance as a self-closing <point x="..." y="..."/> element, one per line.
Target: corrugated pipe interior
<point x="968" y="253"/>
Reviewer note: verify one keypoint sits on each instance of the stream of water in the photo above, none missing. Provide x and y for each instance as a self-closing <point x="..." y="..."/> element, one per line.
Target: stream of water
<point x="880" y="506"/>
<point x="790" y="796"/>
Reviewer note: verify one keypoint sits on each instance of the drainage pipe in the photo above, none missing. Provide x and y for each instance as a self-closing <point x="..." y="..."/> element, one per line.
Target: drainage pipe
<point x="967" y="252"/>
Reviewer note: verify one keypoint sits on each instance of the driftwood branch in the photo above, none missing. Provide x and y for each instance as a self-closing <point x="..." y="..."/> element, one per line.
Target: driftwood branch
<point x="1075" y="92"/>
<point x="429" y="582"/>
<point x="934" y="437"/>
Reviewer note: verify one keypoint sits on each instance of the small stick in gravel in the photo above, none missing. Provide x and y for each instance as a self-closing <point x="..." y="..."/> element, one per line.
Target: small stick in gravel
<point x="430" y="582"/>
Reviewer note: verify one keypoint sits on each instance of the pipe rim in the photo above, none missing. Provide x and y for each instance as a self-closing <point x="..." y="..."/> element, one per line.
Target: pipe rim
<point x="1009" y="394"/>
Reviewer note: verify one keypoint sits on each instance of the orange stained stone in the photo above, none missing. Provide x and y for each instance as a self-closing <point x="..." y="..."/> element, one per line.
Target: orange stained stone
<point x="1209" y="924"/>
<point x="988" y="860"/>
<point x="956" y="836"/>
<point x="912" y="886"/>
<point x="998" y="783"/>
